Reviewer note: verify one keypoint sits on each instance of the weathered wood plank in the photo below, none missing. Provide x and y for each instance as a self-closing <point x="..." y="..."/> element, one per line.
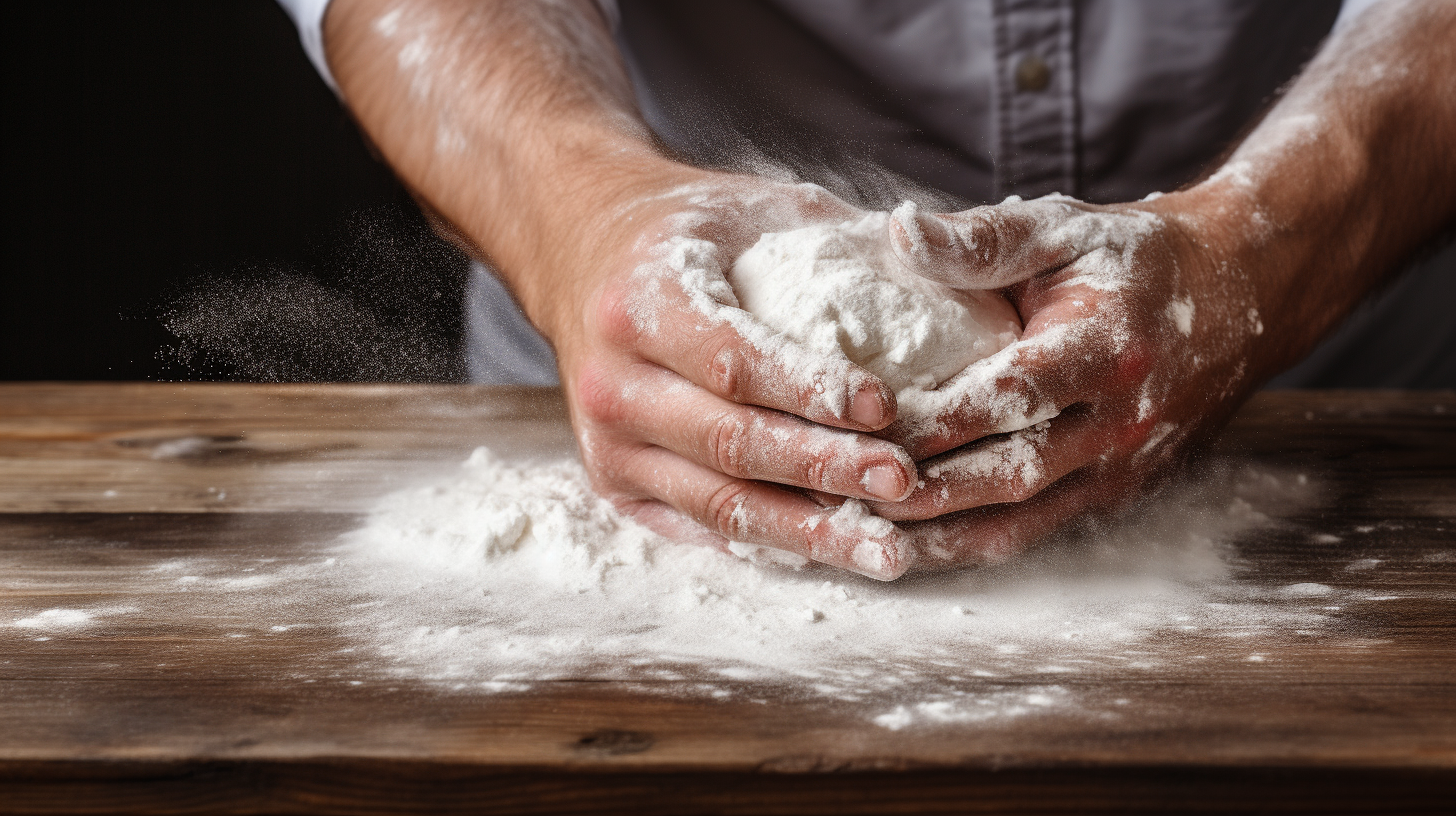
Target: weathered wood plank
<point x="191" y="701"/>
<point x="259" y="448"/>
<point x="383" y="787"/>
<point x="249" y="448"/>
<point x="188" y="671"/>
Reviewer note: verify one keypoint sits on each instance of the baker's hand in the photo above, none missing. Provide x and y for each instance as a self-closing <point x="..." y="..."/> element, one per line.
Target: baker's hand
<point x="686" y="407"/>
<point x="1138" y="343"/>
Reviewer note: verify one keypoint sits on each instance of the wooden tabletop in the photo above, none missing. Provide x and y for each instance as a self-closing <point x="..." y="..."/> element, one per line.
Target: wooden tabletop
<point x="187" y="700"/>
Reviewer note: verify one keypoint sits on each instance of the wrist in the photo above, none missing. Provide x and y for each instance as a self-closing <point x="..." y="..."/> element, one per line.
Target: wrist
<point x="1284" y="248"/>
<point x="573" y="225"/>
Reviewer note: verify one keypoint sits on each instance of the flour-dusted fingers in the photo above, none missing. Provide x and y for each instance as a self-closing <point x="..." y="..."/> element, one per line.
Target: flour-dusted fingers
<point x="848" y="536"/>
<point x="743" y="441"/>
<point x="1020" y="386"/>
<point x="993" y="534"/>
<point x="770" y="372"/>
<point x="696" y="329"/>
<point x="989" y="247"/>
<point x="1002" y="469"/>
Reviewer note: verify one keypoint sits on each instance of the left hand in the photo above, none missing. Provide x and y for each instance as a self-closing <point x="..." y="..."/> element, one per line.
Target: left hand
<point x="1141" y="338"/>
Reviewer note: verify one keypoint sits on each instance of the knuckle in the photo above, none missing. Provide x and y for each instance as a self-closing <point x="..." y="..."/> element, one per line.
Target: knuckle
<point x="1040" y="379"/>
<point x="614" y="316"/>
<point x="723" y="509"/>
<point x="815" y="474"/>
<point x="1032" y="400"/>
<point x="726" y="367"/>
<point x="599" y="396"/>
<point x="725" y="445"/>
<point x="1035" y="365"/>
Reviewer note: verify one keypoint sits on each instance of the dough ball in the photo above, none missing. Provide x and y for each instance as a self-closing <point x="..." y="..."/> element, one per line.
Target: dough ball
<point x="838" y="289"/>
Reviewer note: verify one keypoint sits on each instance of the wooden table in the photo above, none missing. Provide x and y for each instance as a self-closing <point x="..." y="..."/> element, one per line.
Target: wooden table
<point x="163" y="711"/>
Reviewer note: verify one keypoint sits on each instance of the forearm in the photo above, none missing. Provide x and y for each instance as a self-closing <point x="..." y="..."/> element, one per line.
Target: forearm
<point x="1346" y="176"/>
<point x="513" y="121"/>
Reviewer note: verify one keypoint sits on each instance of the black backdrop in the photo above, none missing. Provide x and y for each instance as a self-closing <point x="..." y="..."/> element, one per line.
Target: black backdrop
<point x="163" y="158"/>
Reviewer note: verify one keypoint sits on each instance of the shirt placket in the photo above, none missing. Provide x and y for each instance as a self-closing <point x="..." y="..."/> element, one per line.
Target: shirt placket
<point x="1036" y="98"/>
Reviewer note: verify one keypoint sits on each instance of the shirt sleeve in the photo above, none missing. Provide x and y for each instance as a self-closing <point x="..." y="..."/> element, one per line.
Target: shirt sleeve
<point x="308" y="15"/>
<point x="1350" y="9"/>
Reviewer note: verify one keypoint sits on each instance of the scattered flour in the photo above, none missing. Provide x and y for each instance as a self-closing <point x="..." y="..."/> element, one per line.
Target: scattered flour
<point x="999" y="705"/>
<point x="55" y="619"/>
<point x="513" y="572"/>
<point x="1307" y="590"/>
<point x="838" y="290"/>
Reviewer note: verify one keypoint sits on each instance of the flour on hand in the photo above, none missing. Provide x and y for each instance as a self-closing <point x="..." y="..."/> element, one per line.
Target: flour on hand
<point x="838" y="290"/>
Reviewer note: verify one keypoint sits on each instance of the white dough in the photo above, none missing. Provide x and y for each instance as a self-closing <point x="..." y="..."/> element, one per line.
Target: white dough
<point x="838" y="289"/>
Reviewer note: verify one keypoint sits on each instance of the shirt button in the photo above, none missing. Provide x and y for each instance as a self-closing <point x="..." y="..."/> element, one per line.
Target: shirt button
<point x="1032" y="74"/>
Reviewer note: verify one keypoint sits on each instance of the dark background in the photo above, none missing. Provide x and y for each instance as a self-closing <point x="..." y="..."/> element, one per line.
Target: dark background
<point x="180" y="163"/>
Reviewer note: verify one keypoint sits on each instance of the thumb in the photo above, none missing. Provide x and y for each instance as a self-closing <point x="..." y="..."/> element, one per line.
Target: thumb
<point x="988" y="247"/>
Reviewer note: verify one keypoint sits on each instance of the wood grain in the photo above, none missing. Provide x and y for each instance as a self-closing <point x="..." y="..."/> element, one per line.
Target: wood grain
<point x="197" y="704"/>
<point x="249" y="448"/>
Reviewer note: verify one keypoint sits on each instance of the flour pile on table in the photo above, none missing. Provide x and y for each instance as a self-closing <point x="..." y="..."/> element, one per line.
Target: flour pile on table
<point x="514" y="572"/>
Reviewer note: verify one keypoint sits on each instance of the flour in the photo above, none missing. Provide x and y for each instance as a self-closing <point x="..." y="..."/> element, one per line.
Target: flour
<point x="64" y="621"/>
<point x="55" y="619"/>
<point x="513" y="572"/>
<point x="838" y="290"/>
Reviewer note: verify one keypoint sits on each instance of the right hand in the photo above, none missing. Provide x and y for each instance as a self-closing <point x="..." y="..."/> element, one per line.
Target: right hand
<point x="687" y="408"/>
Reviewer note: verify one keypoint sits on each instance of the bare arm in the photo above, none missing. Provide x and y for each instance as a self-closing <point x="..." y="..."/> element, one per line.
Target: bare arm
<point x="493" y="112"/>
<point x="1147" y="324"/>
<point x="514" y="123"/>
<point x="1352" y="172"/>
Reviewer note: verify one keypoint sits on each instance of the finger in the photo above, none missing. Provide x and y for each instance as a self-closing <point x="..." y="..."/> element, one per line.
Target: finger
<point x="990" y="247"/>
<point x="682" y="314"/>
<point x="748" y="442"/>
<point x="1010" y="468"/>
<point x="848" y="537"/>
<point x="994" y="534"/>
<point x="1065" y="358"/>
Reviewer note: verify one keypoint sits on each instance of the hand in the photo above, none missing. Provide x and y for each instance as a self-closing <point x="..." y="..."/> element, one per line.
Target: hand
<point x="1139" y="342"/>
<point x="518" y="128"/>
<point x="685" y="406"/>
<point x="1148" y="323"/>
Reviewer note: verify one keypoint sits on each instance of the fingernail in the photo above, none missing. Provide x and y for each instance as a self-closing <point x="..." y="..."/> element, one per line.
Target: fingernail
<point x="866" y="409"/>
<point x="905" y="229"/>
<point x="937" y="233"/>
<point x="886" y="482"/>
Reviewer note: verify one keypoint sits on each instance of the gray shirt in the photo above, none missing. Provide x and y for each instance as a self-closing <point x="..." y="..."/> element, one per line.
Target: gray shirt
<point x="1105" y="100"/>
